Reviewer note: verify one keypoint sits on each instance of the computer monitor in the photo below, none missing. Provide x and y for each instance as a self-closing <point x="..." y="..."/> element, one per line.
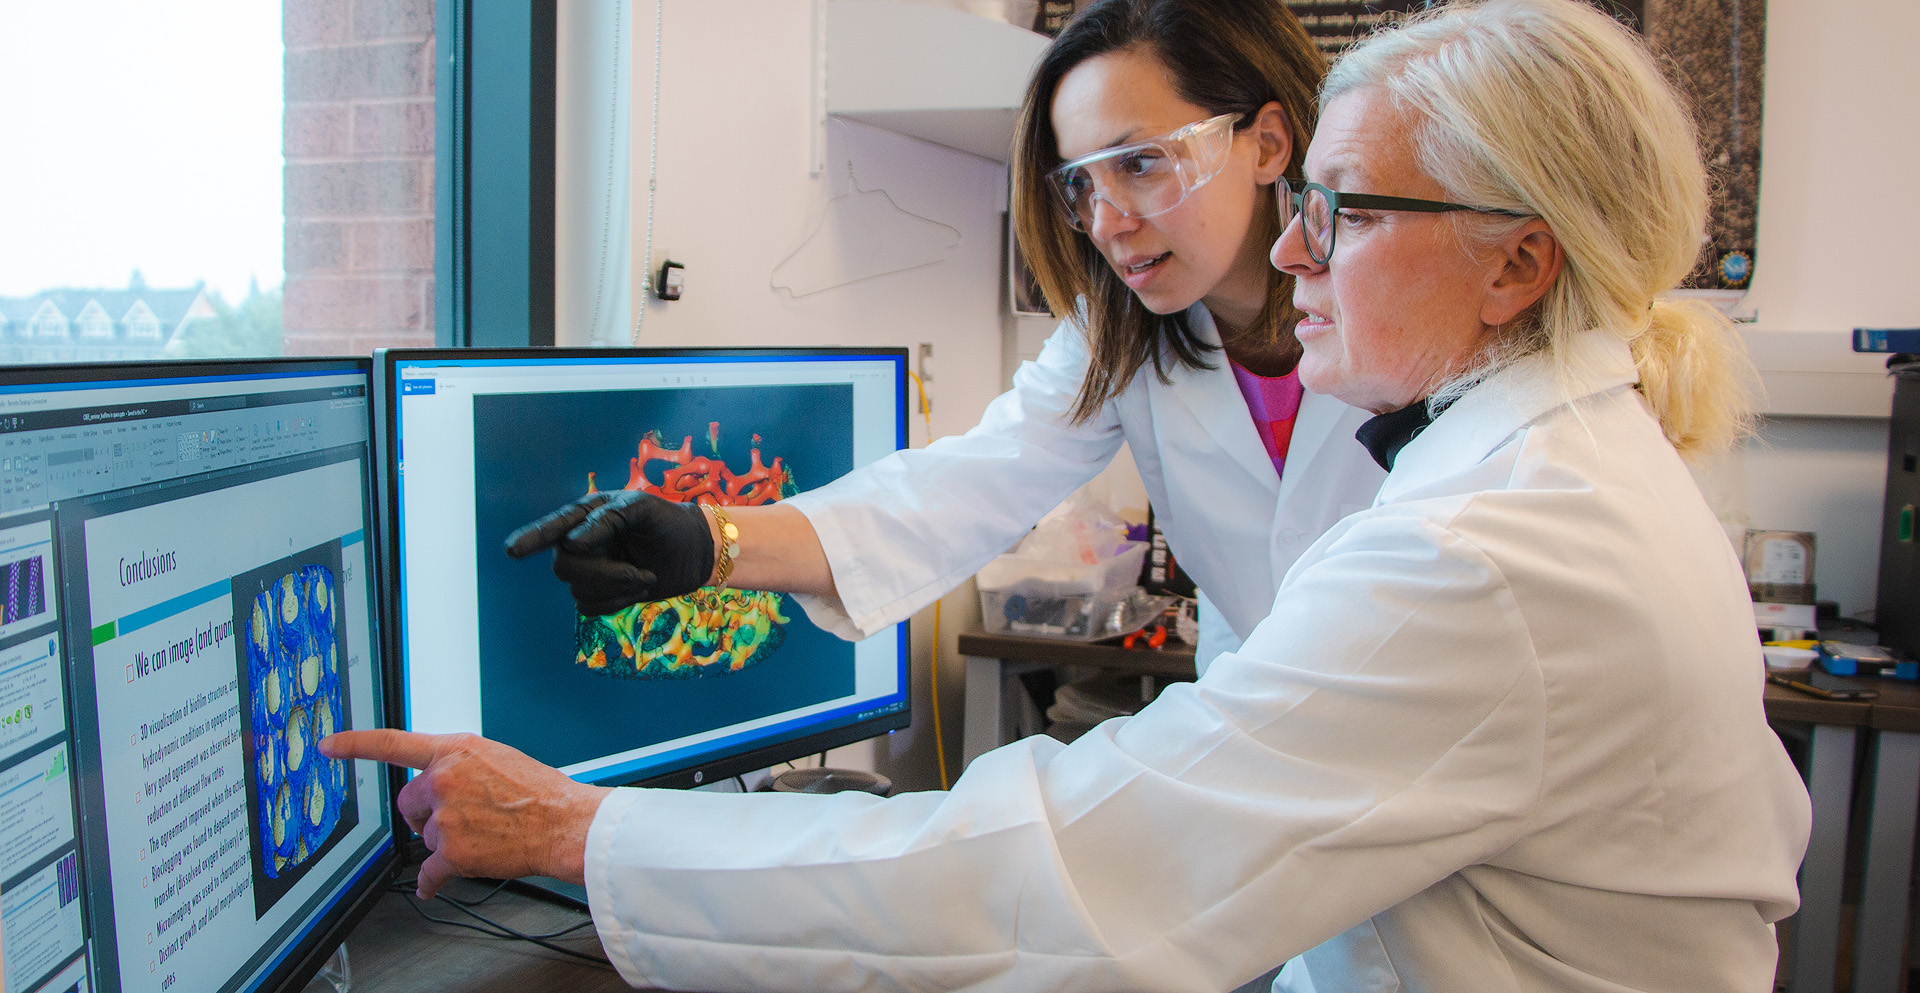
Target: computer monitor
<point x="673" y="693"/>
<point x="189" y="607"/>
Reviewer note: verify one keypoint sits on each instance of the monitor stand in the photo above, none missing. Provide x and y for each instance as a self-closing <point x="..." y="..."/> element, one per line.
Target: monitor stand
<point x="335" y="976"/>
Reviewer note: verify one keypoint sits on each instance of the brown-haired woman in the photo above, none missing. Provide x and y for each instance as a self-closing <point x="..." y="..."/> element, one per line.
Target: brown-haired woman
<point x="1147" y="149"/>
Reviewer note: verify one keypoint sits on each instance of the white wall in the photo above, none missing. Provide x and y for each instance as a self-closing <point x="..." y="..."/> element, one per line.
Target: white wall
<point x="1824" y="475"/>
<point x="1839" y="152"/>
<point x="735" y="198"/>
<point x="1838" y="209"/>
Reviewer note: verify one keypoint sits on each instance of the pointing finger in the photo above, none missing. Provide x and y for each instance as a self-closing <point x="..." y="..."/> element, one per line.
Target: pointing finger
<point x="547" y="531"/>
<point x="406" y="748"/>
<point x="596" y="530"/>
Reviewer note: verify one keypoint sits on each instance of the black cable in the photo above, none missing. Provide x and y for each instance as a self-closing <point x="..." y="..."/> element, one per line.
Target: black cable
<point x="475" y="903"/>
<point x="510" y="930"/>
<point x="410" y="886"/>
<point x="503" y="931"/>
<point x="742" y="781"/>
<point x="493" y="928"/>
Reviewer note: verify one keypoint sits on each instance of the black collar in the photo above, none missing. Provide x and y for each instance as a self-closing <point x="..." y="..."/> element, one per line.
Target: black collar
<point x="1386" y="434"/>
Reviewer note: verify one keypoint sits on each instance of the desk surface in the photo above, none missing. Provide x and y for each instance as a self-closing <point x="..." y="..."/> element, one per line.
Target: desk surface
<point x="395" y="949"/>
<point x="1786" y="704"/>
<point x="1897" y="708"/>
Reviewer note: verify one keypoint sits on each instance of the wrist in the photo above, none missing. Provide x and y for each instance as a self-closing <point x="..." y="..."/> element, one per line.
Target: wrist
<point x="567" y="855"/>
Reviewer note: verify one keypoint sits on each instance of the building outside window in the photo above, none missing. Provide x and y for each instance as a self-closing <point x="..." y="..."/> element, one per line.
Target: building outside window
<point x="47" y="322"/>
<point x="284" y="200"/>
<point x="94" y="322"/>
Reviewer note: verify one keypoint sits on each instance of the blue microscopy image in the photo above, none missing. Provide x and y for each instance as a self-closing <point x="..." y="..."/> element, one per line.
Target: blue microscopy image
<point x="293" y="673"/>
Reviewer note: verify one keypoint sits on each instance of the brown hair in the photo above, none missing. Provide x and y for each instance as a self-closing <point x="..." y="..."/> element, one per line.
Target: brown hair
<point x="1227" y="56"/>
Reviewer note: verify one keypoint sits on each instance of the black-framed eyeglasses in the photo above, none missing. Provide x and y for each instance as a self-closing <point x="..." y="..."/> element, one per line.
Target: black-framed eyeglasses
<point x="1318" y="205"/>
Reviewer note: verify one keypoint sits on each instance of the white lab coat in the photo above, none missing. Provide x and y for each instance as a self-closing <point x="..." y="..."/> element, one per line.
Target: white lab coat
<point x="902" y="532"/>
<point x="1501" y="732"/>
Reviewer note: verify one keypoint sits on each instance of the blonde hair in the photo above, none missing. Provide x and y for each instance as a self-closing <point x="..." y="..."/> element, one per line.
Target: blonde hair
<point x="1553" y="109"/>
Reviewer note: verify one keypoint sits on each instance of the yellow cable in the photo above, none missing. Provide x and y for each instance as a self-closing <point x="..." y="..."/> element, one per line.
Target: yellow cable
<point x="933" y="661"/>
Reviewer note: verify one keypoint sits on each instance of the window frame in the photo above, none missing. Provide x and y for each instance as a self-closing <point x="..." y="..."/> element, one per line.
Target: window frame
<point x="494" y="172"/>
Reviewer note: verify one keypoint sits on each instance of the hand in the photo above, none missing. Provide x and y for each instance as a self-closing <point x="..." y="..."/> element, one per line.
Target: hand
<point x="622" y="547"/>
<point x="483" y="808"/>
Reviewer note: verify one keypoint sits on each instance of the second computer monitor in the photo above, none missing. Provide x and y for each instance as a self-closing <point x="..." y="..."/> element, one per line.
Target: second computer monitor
<point x="676" y="692"/>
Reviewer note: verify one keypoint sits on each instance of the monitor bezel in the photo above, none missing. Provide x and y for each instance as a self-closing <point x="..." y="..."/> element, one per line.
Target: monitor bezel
<point x="330" y="929"/>
<point x="699" y="773"/>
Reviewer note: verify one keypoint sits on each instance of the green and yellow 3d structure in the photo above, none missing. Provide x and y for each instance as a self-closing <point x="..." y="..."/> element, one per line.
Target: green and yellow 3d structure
<point x="708" y="632"/>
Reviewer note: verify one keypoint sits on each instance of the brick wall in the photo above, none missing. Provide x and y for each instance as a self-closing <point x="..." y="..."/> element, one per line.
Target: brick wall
<point x="358" y="137"/>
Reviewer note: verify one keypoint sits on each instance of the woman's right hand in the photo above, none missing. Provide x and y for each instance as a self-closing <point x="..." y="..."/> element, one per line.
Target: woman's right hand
<point x="618" y="548"/>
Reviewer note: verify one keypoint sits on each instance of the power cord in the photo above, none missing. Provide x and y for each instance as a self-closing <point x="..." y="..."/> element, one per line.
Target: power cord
<point x="933" y="657"/>
<point x="492" y="928"/>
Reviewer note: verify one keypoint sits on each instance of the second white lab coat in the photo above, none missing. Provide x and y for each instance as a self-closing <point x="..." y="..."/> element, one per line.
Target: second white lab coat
<point x="1501" y="732"/>
<point x="905" y="530"/>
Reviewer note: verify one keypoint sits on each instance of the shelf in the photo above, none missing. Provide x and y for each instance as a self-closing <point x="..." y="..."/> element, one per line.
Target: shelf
<point x="931" y="73"/>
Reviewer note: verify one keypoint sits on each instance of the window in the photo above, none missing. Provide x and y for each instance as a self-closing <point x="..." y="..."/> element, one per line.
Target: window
<point x="316" y="177"/>
<point x="283" y="200"/>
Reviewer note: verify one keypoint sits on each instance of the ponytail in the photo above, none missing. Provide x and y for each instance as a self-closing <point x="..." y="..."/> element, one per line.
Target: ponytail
<point x="1691" y="362"/>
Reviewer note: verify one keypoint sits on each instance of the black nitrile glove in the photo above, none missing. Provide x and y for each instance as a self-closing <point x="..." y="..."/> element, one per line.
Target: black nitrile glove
<point x="623" y="547"/>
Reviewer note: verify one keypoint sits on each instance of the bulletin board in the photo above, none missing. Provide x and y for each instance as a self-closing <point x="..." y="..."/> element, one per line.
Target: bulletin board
<point x="1714" y="48"/>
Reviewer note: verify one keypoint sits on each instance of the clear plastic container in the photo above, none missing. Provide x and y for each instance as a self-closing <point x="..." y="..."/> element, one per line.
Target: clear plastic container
<point x="1054" y="599"/>
<point x="1089" y="617"/>
<point x="1013" y="573"/>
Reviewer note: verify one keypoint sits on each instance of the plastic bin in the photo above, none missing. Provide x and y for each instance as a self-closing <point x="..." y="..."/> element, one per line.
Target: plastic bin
<point x="1049" y="598"/>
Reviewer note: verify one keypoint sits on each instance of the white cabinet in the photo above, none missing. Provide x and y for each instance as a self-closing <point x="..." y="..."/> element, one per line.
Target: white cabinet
<point x="933" y="73"/>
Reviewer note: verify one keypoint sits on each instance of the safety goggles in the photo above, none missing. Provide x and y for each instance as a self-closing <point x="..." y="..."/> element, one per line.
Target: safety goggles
<point x="1145" y="178"/>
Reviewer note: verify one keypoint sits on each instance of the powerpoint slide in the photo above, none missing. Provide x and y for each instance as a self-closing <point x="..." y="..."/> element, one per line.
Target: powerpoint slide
<point x="36" y="810"/>
<point x="72" y="979"/>
<point x="40" y="923"/>
<point x="566" y="688"/>
<point x="32" y="704"/>
<point x="292" y="639"/>
<point x="26" y="577"/>
<point x="220" y="657"/>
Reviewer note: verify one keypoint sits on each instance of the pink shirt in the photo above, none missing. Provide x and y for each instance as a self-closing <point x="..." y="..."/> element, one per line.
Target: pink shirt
<point x="1274" y="403"/>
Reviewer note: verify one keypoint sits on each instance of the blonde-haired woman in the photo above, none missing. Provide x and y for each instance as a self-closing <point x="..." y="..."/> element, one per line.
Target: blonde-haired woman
<point x="1595" y="770"/>
<point x="1502" y="731"/>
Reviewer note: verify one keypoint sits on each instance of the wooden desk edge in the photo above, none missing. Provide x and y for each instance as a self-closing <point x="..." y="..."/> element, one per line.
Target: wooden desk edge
<point x="1897" y="708"/>
<point x="1785" y="704"/>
